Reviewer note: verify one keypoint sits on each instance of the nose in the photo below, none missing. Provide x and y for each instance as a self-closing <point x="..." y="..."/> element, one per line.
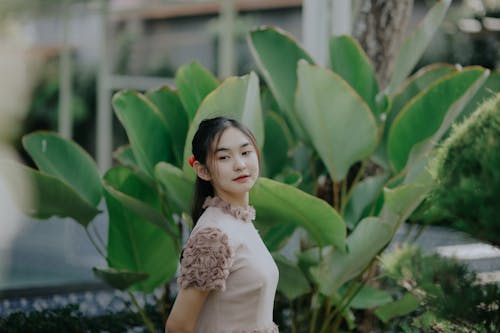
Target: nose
<point x="239" y="163"/>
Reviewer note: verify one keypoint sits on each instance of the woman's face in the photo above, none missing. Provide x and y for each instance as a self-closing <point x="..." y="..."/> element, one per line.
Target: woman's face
<point x="235" y="166"/>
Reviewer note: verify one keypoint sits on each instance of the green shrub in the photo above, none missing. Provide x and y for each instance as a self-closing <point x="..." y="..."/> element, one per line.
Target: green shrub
<point x="450" y="298"/>
<point x="468" y="175"/>
<point x="69" y="319"/>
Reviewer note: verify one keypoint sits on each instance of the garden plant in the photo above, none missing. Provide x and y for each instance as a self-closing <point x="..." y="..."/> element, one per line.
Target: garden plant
<point x="320" y="129"/>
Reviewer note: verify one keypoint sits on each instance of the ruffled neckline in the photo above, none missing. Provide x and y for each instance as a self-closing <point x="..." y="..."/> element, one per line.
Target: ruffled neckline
<point x="245" y="214"/>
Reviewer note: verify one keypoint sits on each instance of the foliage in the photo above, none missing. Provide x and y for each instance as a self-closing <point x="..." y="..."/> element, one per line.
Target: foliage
<point x="450" y="298"/>
<point x="468" y="177"/>
<point x="70" y="319"/>
<point x="332" y="125"/>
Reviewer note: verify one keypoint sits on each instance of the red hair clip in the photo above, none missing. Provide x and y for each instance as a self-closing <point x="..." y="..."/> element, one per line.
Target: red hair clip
<point x="191" y="160"/>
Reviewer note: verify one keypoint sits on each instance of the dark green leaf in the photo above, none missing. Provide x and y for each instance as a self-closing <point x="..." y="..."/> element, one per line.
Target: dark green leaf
<point x="64" y="159"/>
<point x="48" y="195"/>
<point x="177" y="121"/>
<point x="278" y="203"/>
<point x="348" y="59"/>
<point x="194" y="83"/>
<point x="119" y="279"/>
<point x="146" y="129"/>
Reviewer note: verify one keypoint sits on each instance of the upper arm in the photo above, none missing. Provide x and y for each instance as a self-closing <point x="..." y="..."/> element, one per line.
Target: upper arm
<point x="205" y="265"/>
<point x="186" y="310"/>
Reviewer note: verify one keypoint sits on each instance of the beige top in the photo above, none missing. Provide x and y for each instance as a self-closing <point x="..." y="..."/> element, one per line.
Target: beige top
<point x="225" y="254"/>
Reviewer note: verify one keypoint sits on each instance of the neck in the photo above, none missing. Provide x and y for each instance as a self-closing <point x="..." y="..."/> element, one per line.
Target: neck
<point x="241" y="201"/>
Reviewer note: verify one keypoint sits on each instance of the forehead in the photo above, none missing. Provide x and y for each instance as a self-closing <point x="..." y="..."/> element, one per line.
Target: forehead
<point x="232" y="138"/>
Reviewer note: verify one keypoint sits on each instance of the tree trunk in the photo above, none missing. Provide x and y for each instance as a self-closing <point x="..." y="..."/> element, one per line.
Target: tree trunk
<point x="380" y="28"/>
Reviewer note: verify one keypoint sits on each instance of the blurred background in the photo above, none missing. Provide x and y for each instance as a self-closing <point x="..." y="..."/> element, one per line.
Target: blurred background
<point x="62" y="60"/>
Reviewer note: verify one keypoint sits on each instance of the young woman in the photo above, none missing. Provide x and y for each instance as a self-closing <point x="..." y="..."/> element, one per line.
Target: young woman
<point x="228" y="278"/>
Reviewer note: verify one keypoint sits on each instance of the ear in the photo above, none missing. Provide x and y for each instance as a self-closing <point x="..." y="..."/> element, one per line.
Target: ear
<point x="202" y="171"/>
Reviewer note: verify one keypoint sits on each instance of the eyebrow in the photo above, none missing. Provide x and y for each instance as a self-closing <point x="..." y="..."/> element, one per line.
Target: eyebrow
<point x="246" y="144"/>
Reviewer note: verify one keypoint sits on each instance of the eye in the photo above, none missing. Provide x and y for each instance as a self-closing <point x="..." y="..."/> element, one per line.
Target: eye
<point x="246" y="152"/>
<point x="223" y="157"/>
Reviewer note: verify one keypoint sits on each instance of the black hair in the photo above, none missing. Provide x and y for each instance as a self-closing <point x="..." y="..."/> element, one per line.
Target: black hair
<point x="203" y="146"/>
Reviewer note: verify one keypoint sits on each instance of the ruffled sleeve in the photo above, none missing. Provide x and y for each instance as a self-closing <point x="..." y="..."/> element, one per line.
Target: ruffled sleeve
<point x="206" y="260"/>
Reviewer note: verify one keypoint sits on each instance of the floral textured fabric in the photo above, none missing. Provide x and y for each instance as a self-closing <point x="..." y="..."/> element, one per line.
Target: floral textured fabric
<point x="206" y="260"/>
<point x="245" y="214"/>
<point x="226" y="255"/>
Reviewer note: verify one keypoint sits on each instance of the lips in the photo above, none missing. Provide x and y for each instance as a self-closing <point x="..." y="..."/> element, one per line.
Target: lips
<point x="241" y="178"/>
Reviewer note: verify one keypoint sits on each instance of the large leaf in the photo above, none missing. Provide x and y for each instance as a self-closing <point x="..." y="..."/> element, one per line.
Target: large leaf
<point x="278" y="203"/>
<point x="278" y="142"/>
<point x="194" y="83"/>
<point x="119" y="279"/>
<point x="135" y="244"/>
<point x="363" y="195"/>
<point x="364" y="243"/>
<point x="403" y="306"/>
<point x="292" y="282"/>
<point x="125" y="156"/>
<point x="49" y="195"/>
<point x="139" y="193"/>
<point x="369" y="297"/>
<point x="178" y="187"/>
<point x="415" y="84"/>
<point x="430" y="113"/>
<point x="275" y="236"/>
<point x="145" y="127"/>
<point x="236" y="97"/>
<point x="348" y="59"/>
<point x="277" y="54"/>
<point x="488" y="90"/>
<point x="340" y="124"/>
<point x="177" y="121"/>
<point x="401" y="201"/>
<point x="416" y="43"/>
<point x="65" y="160"/>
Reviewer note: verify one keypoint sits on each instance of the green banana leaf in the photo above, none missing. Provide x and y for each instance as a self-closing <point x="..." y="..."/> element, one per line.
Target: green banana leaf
<point x="278" y="203"/>
<point x="236" y="97"/>
<point x="146" y="129"/>
<point x="363" y="195"/>
<point x="401" y="307"/>
<point x="119" y="279"/>
<point x="64" y="159"/>
<point x="350" y="61"/>
<point x="276" y="54"/>
<point x="364" y="243"/>
<point x="415" y="84"/>
<point x="277" y="145"/>
<point x="177" y="185"/>
<point x="135" y="244"/>
<point x="194" y="83"/>
<point x="137" y="199"/>
<point x="430" y="113"/>
<point x="340" y="124"/>
<point x="275" y="236"/>
<point x="125" y="156"/>
<point x="488" y="90"/>
<point x="416" y="43"/>
<point x="292" y="283"/>
<point x="370" y="297"/>
<point x="48" y="196"/>
<point x="177" y="121"/>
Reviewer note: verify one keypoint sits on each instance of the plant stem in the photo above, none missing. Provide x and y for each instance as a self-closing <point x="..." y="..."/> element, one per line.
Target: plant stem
<point x="314" y="318"/>
<point x="144" y="316"/>
<point x="353" y="185"/>
<point x="92" y="240"/>
<point x="336" y="203"/>
<point x="99" y="238"/>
